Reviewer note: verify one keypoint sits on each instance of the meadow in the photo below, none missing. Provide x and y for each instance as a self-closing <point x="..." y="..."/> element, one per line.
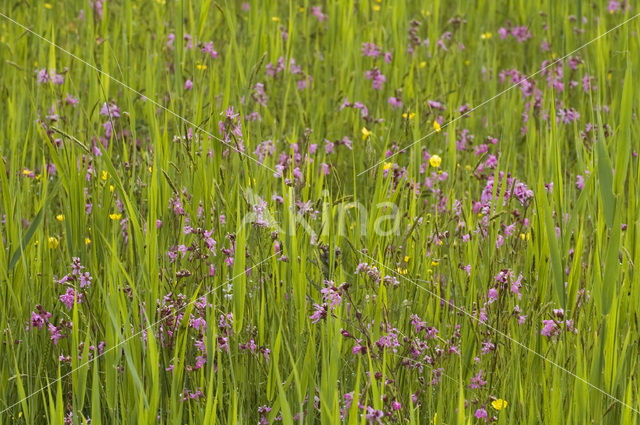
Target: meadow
<point x="346" y="211"/>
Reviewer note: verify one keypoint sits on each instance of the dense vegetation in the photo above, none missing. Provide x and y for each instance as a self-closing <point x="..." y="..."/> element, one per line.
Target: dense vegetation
<point x="354" y="212"/>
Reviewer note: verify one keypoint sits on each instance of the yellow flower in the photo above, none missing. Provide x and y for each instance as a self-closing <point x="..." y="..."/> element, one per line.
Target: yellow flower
<point x="104" y="175"/>
<point x="423" y="64"/>
<point x="467" y="62"/>
<point x="87" y="241"/>
<point x="111" y="188"/>
<point x="115" y="216"/>
<point x="434" y="263"/>
<point x="201" y="67"/>
<point x="499" y="404"/>
<point x="53" y="242"/>
<point x="436" y="126"/>
<point x="435" y="417"/>
<point x="435" y="161"/>
<point x="376" y="7"/>
<point x="410" y="116"/>
<point x="275" y="19"/>
<point x="402" y="271"/>
<point x="60" y="217"/>
<point x="27" y="172"/>
<point x="365" y="133"/>
<point x="406" y="258"/>
<point x="387" y="165"/>
<point x="48" y="6"/>
<point x="485" y="35"/>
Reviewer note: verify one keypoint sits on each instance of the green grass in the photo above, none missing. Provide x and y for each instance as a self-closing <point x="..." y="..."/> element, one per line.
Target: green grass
<point x="573" y="242"/>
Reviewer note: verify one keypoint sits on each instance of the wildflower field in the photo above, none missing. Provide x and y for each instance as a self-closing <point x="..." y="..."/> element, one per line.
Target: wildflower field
<point x="355" y="211"/>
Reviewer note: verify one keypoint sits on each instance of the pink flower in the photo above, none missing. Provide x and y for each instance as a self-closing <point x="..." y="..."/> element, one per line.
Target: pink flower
<point x="319" y="313"/>
<point x="188" y="85"/>
<point x="317" y="12"/>
<point x="544" y="46"/>
<point x="376" y="77"/>
<point x="208" y="48"/>
<point x="395" y="103"/>
<point x="477" y="381"/>
<point x="37" y="321"/>
<point x="521" y="33"/>
<point x="510" y="229"/>
<point x="613" y="6"/>
<point x="43" y="76"/>
<point x="417" y="323"/>
<point x="70" y="100"/>
<point x="199" y="323"/>
<point x="483" y="315"/>
<point x="56" y="335"/>
<point x="359" y="348"/>
<point x="111" y="110"/>
<point x="370" y="50"/>
<point x="434" y="104"/>
<point x="68" y="298"/>
<point x="325" y="169"/>
<point x="329" y="146"/>
<point x="481" y="414"/>
<point x="200" y="361"/>
<point x="492" y="295"/>
<point x="549" y="328"/>
<point x="57" y="79"/>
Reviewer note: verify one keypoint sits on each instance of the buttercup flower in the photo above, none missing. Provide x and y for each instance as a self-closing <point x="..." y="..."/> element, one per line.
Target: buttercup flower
<point x="499" y="404"/>
<point x="435" y="161"/>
